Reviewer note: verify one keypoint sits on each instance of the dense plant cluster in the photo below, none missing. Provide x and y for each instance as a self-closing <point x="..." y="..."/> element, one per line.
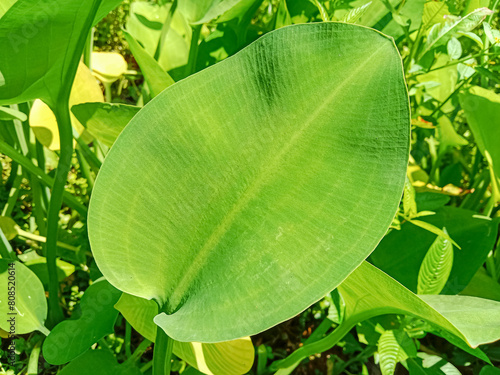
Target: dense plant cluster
<point x="249" y="187"/>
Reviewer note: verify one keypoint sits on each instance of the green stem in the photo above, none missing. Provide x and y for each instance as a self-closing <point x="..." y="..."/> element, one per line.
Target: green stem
<point x="139" y="351"/>
<point x="14" y="193"/>
<point x="128" y="336"/>
<point x="317" y="347"/>
<point x="162" y="353"/>
<point x="193" y="50"/>
<point x="66" y="141"/>
<point x="107" y="92"/>
<point x="63" y="118"/>
<point x="26" y="163"/>
<point x="452" y="94"/>
<point x="164" y="30"/>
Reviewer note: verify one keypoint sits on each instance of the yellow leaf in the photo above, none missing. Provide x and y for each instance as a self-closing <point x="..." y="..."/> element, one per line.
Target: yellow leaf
<point x="108" y="66"/>
<point x="43" y="121"/>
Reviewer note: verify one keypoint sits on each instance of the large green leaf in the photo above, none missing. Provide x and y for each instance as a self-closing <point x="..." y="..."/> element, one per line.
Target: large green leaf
<point x="40" y="40"/>
<point x="482" y="109"/>
<point x="71" y="338"/>
<point x="229" y="357"/>
<point x="29" y="309"/>
<point x="220" y="190"/>
<point x="369" y="292"/>
<point x="475" y="235"/>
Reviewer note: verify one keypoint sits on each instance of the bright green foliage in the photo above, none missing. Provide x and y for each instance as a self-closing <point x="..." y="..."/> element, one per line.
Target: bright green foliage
<point x="145" y="25"/>
<point x="202" y="11"/>
<point x="245" y="190"/>
<point x="436" y="266"/>
<point x="30" y="303"/>
<point x="482" y="108"/>
<point x="47" y="42"/>
<point x="158" y="79"/>
<point x="370" y="292"/>
<point x="390" y="352"/>
<point x="71" y="338"/>
<point x="441" y="33"/>
<point x="476" y="235"/>
<point x="105" y="121"/>
<point x="230" y="357"/>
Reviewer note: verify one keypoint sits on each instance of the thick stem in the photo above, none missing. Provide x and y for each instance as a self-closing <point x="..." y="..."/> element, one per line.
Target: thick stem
<point x="162" y="353"/>
<point x="66" y="141"/>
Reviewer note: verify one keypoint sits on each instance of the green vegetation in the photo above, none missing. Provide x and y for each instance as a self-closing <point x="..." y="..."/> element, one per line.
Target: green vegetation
<point x="249" y="187"/>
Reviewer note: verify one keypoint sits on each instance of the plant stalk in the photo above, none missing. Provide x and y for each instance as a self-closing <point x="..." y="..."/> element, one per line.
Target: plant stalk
<point x="162" y="353"/>
<point x="193" y="51"/>
<point x="66" y="141"/>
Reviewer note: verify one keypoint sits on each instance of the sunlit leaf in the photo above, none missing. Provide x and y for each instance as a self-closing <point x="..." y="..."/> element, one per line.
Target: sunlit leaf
<point x="73" y="337"/>
<point x="29" y="310"/>
<point x="43" y="121"/>
<point x="238" y="193"/>
<point x="436" y="266"/>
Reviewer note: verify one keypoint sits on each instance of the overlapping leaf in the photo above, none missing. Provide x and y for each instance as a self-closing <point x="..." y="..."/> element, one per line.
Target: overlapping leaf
<point x="230" y="357"/>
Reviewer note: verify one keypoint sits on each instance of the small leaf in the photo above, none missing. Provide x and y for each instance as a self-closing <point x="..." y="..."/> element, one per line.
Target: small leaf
<point x="436" y="266"/>
<point x="390" y="352"/>
<point x="29" y="311"/>
<point x="473" y="37"/>
<point x="409" y="203"/>
<point x="454" y="48"/>
<point x="356" y="13"/>
<point x="105" y="121"/>
<point x="108" y="66"/>
<point x="73" y="337"/>
<point x="441" y="33"/>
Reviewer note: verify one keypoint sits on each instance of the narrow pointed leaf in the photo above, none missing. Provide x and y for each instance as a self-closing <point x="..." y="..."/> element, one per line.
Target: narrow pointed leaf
<point x="390" y="353"/>
<point x="436" y="266"/>
<point x="158" y="80"/>
<point x="309" y="131"/>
